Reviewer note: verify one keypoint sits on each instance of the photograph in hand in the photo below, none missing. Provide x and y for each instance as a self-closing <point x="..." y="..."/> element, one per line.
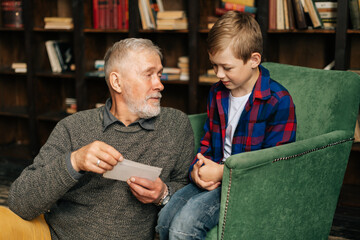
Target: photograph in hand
<point x="127" y="168"/>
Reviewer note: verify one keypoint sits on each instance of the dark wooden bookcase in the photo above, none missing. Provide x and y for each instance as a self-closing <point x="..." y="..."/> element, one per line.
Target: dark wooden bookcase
<point x="32" y="103"/>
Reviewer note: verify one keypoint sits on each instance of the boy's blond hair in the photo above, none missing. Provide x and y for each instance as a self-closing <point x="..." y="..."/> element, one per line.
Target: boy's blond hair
<point x="238" y="30"/>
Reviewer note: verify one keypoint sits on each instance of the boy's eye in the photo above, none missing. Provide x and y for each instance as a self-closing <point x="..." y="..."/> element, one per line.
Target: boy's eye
<point x="227" y="68"/>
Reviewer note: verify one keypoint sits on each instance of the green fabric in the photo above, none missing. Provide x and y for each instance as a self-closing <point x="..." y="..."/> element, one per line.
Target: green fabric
<point x="294" y="198"/>
<point x="197" y="123"/>
<point x="288" y="199"/>
<point x="325" y="100"/>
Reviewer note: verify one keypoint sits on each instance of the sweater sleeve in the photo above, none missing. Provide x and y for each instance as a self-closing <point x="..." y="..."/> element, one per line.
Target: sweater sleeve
<point x="185" y="138"/>
<point x="41" y="184"/>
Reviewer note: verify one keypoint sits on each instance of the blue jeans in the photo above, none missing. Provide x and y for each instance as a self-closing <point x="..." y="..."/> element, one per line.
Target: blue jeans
<point x="190" y="213"/>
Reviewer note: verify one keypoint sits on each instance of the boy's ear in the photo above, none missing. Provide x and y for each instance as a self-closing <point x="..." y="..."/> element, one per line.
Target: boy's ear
<point x="114" y="81"/>
<point x="255" y="59"/>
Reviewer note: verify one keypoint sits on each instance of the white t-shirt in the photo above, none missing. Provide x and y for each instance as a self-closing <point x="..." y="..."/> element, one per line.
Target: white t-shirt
<point x="236" y="107"/>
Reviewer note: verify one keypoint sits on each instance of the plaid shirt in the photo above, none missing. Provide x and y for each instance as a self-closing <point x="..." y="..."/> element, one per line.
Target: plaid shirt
<point x="267" y="120"/>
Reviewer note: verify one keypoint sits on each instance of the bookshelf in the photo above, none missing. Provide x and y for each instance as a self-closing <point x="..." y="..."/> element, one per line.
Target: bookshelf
<point x="32" y="103"/>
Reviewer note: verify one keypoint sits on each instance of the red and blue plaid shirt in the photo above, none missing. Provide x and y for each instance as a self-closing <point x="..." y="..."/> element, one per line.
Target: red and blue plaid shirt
<point x="267" y="120"/>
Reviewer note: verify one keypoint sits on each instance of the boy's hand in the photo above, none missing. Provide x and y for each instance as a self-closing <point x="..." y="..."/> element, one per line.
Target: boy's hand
<point x="208" y="185"/>
<point x="210" y="170"/>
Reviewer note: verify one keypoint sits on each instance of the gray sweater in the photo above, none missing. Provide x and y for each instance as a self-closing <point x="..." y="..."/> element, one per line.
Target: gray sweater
<point x="94" y="207"/>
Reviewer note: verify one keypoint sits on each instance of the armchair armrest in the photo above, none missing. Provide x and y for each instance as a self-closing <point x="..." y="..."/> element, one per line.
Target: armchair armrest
<point x="298" y="181"/>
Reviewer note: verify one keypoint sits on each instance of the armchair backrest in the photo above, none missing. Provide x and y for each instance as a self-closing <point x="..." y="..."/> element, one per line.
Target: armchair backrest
<point x="319" y="97"/>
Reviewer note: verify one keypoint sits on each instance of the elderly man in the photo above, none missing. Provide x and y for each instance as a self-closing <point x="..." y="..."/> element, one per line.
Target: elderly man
<point x="65" y="182"/>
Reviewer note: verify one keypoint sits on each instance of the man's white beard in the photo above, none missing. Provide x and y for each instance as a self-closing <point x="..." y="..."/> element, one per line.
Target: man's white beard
<point x="141" y="107"/>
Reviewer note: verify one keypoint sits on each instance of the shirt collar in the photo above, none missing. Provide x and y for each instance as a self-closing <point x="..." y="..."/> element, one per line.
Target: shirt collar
<point x="109" y="119"/>
<point x="262" y="86"/>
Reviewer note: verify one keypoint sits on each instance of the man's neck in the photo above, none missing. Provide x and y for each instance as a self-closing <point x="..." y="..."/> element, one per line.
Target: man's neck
<point x="121" y="112"/>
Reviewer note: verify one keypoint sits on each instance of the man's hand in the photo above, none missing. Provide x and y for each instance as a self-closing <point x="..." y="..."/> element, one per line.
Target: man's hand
<point x="97" y="157"/>
<point x="195" y="175"/>
<point x="147" y="191"/>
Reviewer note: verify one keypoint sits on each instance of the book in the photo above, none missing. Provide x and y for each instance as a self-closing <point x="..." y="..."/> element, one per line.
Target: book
<point x="170" y="77"/>
<point x="19" y="67"/>
<point x="272" y="14"/>
<point x="299" y="14"/>
<point x="328" y="12"/>
<point x="64" y="53"/>
<point x="171" y="24"/>
<point x="54" y="61"/>
<point x="238" y="7"/>
<point x="145" y="10"/>
<point x="171" y="20"/>
<point x="58" y="23"/>
<point x="95" y="9"/>
<point x="250" y="3"/>
<point x="171" y="15"/>
<point x="290" y="14"/>
<point x="171" y="70"/>
<point x="205" y="78"/>
<point x="314" y="14"/>
<point x="280" y="21"/>
<point x="354" y="14"/>
<point x="11" y="13"/>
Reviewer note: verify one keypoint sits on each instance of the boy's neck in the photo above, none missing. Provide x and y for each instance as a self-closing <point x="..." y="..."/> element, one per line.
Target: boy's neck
<point x="248" y="86"/>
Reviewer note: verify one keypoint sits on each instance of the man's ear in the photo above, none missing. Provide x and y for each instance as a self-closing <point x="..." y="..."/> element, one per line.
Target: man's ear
<point x="255" y="59"/>
<point x="114" y="81"/>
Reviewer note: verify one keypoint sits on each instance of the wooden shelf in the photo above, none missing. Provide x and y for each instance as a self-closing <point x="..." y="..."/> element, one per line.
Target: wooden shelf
<point x="15" y="111"/>
<point x="356" y="147"/>
<point x="53" y="116"/>
<point x="50" y="74"/>
<point x="15" y="151"/>
<point x="91" y="30"/>
<point x="305" y="31"/>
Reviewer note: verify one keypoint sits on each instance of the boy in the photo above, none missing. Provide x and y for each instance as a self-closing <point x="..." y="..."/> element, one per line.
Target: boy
<point x="246" y="111"/>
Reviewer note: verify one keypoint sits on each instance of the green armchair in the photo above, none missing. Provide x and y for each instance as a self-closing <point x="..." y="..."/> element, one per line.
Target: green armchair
<point x="291" y="191"/>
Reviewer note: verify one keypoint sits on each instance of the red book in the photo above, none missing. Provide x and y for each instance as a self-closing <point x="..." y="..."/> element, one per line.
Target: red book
<point x="119" y="15"/>
<point x="102" y="13"/>
<point x="95" y="14"/>
<point x="272" y="14"/>
<point x="11" y="12"/>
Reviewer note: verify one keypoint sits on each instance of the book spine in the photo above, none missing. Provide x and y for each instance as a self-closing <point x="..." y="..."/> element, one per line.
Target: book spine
<point x="272" y="14"/>
<point x="95" y="14"/>
<point x="291" y="14"/>
<point x="299" y="14"/>
<point x="102" y="13"/>
<point x="55" y="67"/>
<point x="354" y="13"/>
<point x="11" y="12"/>
<point x="126" y="14"/>
<point x="59" y="56"/>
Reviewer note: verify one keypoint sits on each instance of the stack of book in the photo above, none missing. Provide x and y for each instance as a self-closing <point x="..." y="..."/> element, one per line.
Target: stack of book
<point x="171" y="20"/>
<point x="110" y="14"/>
<point x="209" y="77"/>
<point x="183" y="64"/>
<point x="58" y="23"/>
<point x="71" y="105"/>
<point x="61" y="56"/>
<point x="19" y="67"/>
<point x="301" y="14"/>
<point x="236" y="5"/>
<point x="99" y="72"/>
<point x="328" y="13"/>
<point x="170" y="74"/>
